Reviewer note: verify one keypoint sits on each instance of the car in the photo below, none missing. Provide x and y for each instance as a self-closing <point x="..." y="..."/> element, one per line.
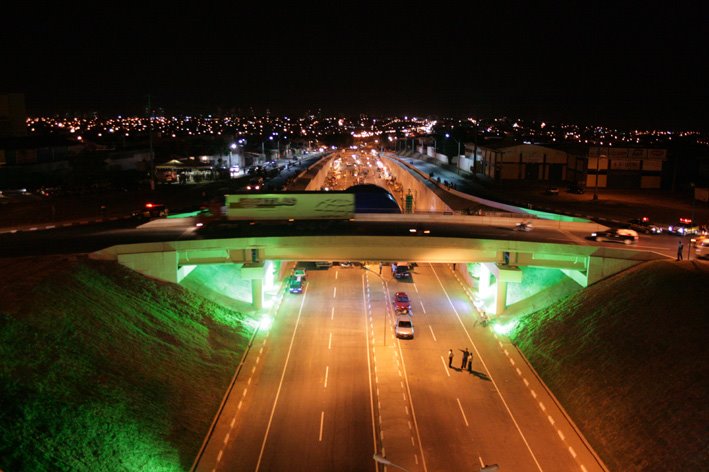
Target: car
<point x="401" y="301"/>
<point x="404" y="327"/>
<point x="644" y="225"/>
<point x="524" y="226"/>
<point x="346" y="264"/>
<point x="255" y="183"/>
<point x="299" y="273"/>
<point x="702" y="248"/>
<point x="620" y="235"/>
<point x="151" y="210"/>
<point x="401" y="270"/>
<point x="295" y="285"/>
<point x="684" y="227"/>
<point x="552" y="190"/>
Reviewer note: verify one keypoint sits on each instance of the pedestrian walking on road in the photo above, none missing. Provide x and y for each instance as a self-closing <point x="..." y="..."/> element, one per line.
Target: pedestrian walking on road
<point x="679" y="251"/>
<point x="466" y="353"/>
<point x="450" y="357"/>
<point x="470" y="363"/>
<point x="380" y="268"/>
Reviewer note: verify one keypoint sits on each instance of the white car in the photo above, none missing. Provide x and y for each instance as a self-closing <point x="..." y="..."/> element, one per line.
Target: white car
<point x="702" y="248"/>
<point x="404" y="327"/>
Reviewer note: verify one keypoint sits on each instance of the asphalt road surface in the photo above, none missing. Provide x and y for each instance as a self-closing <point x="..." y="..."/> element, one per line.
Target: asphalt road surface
<point x="328" y="385"/>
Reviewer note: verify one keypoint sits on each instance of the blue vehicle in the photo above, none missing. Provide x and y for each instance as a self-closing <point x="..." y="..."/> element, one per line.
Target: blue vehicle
<point x="295" y="285"/>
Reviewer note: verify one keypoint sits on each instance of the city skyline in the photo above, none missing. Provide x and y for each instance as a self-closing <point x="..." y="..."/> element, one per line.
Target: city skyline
<point x="614" y="66"/>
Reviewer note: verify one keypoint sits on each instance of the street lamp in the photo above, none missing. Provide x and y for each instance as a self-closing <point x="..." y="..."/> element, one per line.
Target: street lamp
<point x="457" y="165"/>
<point x="380" y="459"/>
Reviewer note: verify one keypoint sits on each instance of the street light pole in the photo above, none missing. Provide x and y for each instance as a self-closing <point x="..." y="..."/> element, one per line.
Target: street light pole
<point x="598" y="167"/>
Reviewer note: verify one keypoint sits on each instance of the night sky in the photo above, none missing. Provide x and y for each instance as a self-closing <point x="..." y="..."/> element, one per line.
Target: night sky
<point x="644" y="66"/>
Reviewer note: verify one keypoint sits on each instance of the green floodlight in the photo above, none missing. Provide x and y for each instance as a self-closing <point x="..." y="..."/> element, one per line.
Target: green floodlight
<point x="505" y="328"/>
<point x="264" y="323"/>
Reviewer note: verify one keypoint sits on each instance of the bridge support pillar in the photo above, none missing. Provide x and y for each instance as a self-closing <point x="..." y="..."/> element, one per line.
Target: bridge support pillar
<point x="501" y="299"/>
<point x="257" y="293"/>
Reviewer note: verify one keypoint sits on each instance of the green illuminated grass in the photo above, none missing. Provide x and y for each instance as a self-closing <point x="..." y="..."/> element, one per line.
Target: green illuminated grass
<point x="627" y="359"/>
<point x="102" y="369"/>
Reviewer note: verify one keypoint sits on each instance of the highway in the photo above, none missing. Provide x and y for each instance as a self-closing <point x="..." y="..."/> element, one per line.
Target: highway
<point x="328" y="385"/>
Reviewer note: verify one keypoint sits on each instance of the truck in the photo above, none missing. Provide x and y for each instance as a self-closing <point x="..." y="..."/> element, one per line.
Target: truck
<point x="401" y="270"/>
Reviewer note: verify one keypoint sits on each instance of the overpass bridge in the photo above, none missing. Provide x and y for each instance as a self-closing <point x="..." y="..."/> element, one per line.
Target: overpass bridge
<point x="500" y="272"/>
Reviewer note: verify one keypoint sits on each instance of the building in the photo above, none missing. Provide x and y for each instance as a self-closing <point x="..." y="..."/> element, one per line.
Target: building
<point x="592" y="166"/>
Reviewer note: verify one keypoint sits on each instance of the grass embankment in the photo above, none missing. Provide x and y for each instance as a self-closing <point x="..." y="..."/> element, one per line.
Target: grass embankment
<point x="103" y="369"/>
<point x="627" y="358"/>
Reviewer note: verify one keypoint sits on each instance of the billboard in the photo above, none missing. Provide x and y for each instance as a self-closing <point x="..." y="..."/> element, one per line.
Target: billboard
<point x="284" y="206"/>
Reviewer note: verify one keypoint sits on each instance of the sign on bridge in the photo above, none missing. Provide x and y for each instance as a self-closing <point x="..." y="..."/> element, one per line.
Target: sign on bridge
<point x="284" y="206"/>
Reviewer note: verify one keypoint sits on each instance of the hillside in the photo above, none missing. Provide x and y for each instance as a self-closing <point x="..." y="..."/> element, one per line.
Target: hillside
<point x="103" y="369"/>
<point x="627" y="359"/>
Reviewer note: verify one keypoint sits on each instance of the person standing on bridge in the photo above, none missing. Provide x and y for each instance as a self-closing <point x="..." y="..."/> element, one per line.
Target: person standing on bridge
<point x="466" y="353"/>
<point x="679" y="250"/>
<point x="450" y="357"/>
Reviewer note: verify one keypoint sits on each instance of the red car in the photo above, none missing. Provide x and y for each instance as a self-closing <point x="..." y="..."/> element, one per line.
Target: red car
<point x="401" y="301"/>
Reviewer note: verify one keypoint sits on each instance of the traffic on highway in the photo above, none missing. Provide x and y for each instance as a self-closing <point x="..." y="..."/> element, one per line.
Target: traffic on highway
<point x="336" y="379"/>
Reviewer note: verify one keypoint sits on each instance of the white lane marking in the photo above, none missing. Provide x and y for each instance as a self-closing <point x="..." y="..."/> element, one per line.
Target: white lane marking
<point x="561" y="435"/>
<point x="434" y="336"/>
<point x="322" y="420"/>
<point x="573" y="453"/>
<point x="337" y="272"/>
<point x="334" y="292"/>
<point x="551" y="420"/>
<point x="487" y="371"/>
<point x="226" y="438"/>
<point x="534" y="394"/>
<point x="327" y="370"/>
<point x="519" y="372"/>
<point x="462" y="412"/>
<point x="280" y="383"/>
<point x="541" y="405"/>
<point x="445" y="367"/>
<point x="422" y="308"/>
<point x="219" y="456"/>
<point x="416" y="288"/>
<point x="369" y="369"/>
<point x="332" y="313"/>
<point x="329" y="342"/>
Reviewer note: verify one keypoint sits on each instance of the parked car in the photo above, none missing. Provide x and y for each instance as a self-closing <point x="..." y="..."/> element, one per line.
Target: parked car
<point x="619" y="235"/>
<point x="404" y="327"/>
<point x="552" y="190"/>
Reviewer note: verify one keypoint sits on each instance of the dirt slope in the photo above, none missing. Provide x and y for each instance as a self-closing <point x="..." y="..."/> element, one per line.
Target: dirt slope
<point x="627" y="358"/>
<point x="103" y="369"/>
